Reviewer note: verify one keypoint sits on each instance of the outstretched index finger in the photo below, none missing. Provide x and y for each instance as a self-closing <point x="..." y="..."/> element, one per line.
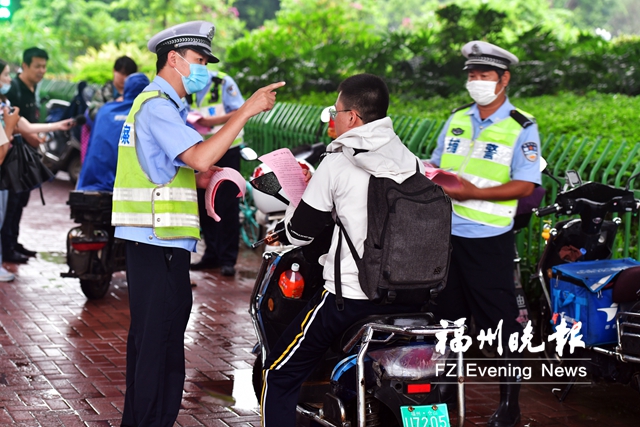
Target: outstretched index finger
<point x="274" y="86"/>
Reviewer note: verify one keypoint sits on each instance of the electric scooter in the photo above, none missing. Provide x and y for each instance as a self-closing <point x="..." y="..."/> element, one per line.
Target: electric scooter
<point x="383" y="371"/>
<point x="581" y="283"/>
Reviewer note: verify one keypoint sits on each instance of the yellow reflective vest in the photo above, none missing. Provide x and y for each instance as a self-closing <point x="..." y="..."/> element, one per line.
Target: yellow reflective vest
<point x="484" y="161"/>
<point x="171" y="209"/>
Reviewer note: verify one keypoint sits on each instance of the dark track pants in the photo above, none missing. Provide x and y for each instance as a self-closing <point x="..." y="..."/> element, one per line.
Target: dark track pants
<point x="16" y="202"/>
<point x="221" y="238"/>
<point x="302" y="346"/>
<point x="160" y="302"/>
<point x="480" y="283"/>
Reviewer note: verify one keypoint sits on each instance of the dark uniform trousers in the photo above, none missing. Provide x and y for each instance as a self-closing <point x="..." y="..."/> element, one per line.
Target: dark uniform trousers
<point x="16" y="201"/>
<point x="302" y="346"/>
<point x="222" y="238"/>
<point x="480" y="283"/>
<point x="160" y="302"/>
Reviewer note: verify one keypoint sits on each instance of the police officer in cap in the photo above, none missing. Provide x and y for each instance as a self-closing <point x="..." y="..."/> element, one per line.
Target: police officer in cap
<point x="155" y="210"/>
<point x="495" y="150"/>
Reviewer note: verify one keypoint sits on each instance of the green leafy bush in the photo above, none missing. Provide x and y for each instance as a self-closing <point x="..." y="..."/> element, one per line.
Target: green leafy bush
<point x="592" y="115"/>
<point x="97" y="65"/>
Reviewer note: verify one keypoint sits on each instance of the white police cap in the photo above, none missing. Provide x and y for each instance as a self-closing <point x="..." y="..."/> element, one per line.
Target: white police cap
<point x="487" y="54"/>
<point x="195" y="35"/>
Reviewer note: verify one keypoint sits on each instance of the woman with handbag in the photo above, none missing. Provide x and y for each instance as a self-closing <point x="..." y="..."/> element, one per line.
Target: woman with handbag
<point x="23" y="126"/>
<point x="9" y="121"/>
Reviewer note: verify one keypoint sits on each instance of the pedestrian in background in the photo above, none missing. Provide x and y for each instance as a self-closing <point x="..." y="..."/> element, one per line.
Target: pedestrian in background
<point x="222" y="238"/>
<point x="23" y="94"/>
<point x="113" y="90"/>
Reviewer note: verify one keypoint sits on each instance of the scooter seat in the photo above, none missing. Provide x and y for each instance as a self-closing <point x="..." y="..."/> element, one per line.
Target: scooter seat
<point x="626" y="286"/>
<point x="403" y="319"/>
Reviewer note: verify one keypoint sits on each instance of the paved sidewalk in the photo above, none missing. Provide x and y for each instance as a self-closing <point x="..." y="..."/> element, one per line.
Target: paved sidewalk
<point x="62" y="358"/>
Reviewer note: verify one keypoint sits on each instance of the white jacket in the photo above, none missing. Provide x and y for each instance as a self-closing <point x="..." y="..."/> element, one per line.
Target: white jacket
<point x="341" y="182"/>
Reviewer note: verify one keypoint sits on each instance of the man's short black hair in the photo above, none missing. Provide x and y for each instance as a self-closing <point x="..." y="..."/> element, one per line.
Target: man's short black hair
<point x="480" y="67"/>
<point x="33" y="52"/>
<point x="367" y="94"/>
<point x="125" y="65"/>
<point x="163" y="57"/>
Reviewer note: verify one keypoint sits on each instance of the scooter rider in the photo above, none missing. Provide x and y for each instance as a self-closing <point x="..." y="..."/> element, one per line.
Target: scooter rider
<point x="155" y="211"/>
<point x="495" y="149"/>
<point x="338" y="188"/>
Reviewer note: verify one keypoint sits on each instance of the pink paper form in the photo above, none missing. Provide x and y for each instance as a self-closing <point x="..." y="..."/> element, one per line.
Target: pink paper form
<point x="288" y="172"/>
<point x="441" y="177"/>
<point x="226" y="174"/>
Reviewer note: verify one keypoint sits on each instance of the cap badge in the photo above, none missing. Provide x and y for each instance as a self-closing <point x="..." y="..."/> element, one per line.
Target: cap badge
<point x="475" y="49"/>
<point x="457" y="131"/>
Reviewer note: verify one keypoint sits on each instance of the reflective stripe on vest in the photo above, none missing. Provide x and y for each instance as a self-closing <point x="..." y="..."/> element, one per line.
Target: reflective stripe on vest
<point x="485" y="162"/>
<point x="171" y="209"/>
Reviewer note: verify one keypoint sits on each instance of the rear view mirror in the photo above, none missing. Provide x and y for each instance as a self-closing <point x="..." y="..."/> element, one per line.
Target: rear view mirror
<point x="573" y="178"/>
<point x="248" y="154"/>
<point x="325" y="115"/>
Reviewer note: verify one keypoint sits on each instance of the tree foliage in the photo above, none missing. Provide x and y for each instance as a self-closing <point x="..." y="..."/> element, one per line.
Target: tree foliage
<point x="313" y="45"/>
<point x="67" y="29"/>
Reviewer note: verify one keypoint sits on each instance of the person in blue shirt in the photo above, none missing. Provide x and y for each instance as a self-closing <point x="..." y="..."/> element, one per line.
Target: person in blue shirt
<point x="99" y="168"/>
<point x="220" y="238"/>
<point x="157" y="255"/>
<point x="495" y="150"/>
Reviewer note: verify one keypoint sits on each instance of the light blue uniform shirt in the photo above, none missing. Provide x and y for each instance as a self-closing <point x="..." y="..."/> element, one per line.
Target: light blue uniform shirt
<point x="525" y="165"/>
<point x="231" y="97"/>
<point x="161" y="136"/>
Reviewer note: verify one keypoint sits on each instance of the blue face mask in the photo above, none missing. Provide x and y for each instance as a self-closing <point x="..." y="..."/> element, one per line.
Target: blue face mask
<point x="5" y="88"/>
<point x="197" y="79"/>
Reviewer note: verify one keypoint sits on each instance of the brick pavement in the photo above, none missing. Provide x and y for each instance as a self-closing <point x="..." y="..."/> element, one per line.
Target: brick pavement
<point x="62" y="358"/>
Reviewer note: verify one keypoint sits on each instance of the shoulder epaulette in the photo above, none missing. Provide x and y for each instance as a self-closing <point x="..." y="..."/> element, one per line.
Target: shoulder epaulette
<point x="455" y="110"/>
<point x="523" y="120"/>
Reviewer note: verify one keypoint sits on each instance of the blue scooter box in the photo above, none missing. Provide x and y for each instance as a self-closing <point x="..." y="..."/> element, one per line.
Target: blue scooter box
<point x="578" y="294"/>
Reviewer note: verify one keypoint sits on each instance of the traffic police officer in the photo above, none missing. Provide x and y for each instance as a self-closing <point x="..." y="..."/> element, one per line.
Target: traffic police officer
<point x="220" y="238"/>
<point x="155" y="211"/>
<point x="494" y="148"/>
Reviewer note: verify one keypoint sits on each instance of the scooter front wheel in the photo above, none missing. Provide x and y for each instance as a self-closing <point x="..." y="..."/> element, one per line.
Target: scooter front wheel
<point x="95" y="289"/>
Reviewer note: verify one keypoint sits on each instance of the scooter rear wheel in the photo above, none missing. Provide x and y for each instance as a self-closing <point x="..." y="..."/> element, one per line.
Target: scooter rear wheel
<point x="256" y="377"/>
<point x="95" y="289"/>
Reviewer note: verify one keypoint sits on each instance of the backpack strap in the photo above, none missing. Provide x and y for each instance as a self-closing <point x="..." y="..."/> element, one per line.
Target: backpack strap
<point x="337" y="272"/>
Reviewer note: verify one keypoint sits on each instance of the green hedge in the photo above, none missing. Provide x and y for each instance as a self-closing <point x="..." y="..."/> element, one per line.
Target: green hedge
<point x="610" y="116"/>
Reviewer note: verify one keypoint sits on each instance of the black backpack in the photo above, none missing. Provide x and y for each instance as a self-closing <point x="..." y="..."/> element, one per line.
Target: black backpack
<point x="407" y="248"/>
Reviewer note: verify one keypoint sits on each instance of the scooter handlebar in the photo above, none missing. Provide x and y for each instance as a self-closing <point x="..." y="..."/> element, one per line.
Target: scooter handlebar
<point x="547" y="210"/>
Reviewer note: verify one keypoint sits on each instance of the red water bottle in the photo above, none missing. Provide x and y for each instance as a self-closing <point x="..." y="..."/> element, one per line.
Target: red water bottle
<point x="291" y="282"/>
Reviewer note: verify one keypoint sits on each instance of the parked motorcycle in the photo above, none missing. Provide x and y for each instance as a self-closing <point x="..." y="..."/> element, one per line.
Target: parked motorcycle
<point x="93" y="253"/>
<point x="581" y="283"/>
<point x="61" y="149"/>
<point x="381" y="372"/>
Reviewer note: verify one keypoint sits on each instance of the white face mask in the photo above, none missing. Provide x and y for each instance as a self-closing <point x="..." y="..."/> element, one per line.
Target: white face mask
<point x="483" y="91"/>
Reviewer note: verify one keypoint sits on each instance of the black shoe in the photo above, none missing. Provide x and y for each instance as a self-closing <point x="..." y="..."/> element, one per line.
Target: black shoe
<point x="204" y="265"/>
<point x="15" y="257"/>
<point x="228" y="270"/>
<point x="24" y="251"/>
<point x="508" y="412"/>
